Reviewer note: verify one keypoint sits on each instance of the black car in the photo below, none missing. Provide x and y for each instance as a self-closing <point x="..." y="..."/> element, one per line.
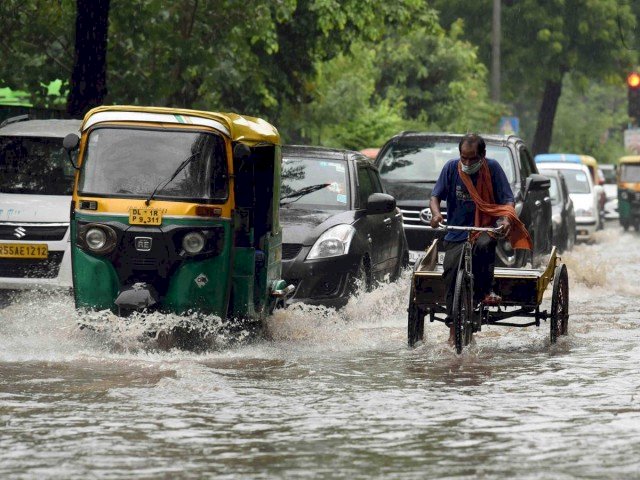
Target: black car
<point x="340" y="230"/>
<point x="410" y="164"/>
<point x="562" y="212"/>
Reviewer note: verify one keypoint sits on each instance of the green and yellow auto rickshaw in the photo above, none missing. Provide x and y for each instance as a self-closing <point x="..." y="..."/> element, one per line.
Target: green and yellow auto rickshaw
<point x="629" y="191"/>
<point x="178" y="211"/>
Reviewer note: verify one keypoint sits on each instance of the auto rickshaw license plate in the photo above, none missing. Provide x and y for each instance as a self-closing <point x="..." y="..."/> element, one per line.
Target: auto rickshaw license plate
<point x="145" y="216"/>
<point x="21" y="250"/>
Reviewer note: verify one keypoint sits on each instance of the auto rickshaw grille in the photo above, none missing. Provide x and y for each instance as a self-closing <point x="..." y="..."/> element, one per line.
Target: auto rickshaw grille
<point x="32" y="232"/>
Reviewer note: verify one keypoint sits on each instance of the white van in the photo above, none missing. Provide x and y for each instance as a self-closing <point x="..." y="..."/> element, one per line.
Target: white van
<point x="36" y="182"/>
<point x="582" y="193"/>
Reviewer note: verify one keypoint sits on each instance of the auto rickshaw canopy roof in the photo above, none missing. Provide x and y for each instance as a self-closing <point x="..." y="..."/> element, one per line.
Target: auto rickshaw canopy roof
<point x="629" y="159"/>
<point x="238" y="128"/>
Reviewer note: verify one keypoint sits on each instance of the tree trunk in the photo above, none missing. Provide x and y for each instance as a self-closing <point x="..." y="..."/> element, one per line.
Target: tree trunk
<point x="546" y="116"/>
<point x="89" y="77"/>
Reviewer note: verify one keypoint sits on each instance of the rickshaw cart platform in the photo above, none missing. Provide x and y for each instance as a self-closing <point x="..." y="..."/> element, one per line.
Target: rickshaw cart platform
<point x="521" y="289"/>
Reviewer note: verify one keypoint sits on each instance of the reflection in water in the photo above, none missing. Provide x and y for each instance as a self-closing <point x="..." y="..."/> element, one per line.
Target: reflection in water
<point x="332" y="394"/>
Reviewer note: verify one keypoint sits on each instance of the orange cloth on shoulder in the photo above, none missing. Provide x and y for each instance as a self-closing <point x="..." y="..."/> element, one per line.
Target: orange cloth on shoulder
<point x="487" y="211"/>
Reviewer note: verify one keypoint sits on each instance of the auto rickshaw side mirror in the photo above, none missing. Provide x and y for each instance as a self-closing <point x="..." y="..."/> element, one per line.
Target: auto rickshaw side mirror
<point x="70" y="143"/>
<point x="241" y="151"/>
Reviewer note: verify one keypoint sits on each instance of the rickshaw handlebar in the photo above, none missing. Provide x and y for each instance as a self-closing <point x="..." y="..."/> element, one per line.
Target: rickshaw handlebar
<point x="497" y="230"/>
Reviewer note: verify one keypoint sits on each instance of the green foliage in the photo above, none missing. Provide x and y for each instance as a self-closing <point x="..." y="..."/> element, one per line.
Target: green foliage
<point x="37" y="45"/>
<point x="590" y="120"/>
<point x="544" y="40"/>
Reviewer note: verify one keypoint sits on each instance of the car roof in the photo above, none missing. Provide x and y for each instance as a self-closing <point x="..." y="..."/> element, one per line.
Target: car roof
<point x="322" y="153"/>
<point x="490" y="138"/>
<point x="557" y="157"/>
<point x="630" y="159"/>
<point x="41" y="128"/>
<point x="607" y="166"/>
<point x="562" y="166"/>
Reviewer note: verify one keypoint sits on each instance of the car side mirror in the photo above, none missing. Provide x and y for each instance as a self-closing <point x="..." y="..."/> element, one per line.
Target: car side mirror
<point x="70" y="143"/>
<point x="537" y="183"/>
<point x="380" y="203"/>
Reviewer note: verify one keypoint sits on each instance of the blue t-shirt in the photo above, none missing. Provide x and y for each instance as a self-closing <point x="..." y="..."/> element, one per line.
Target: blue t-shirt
<point x="461" y="209"/>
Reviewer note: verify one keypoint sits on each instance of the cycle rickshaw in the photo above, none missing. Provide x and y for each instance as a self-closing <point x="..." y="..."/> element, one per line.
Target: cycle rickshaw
<point x="521" y="289"/>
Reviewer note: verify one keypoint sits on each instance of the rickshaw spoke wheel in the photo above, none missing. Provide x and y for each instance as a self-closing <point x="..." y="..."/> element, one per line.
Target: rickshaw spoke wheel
<point x="462" y="311"/>
<point x="560" y="304"/>
<point x="415" y="321"/>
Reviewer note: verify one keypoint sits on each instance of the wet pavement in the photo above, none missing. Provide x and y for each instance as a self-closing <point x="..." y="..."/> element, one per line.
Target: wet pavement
<point x="333" y="395"/>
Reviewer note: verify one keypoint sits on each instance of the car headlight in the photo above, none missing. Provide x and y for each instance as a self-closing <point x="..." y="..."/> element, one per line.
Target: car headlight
<point x="96" y="239"/>
<point x="556" y="218"/>
<point x="584" y="212"/>
<point x="193" y="243"/>
<point x="332" y="243"/>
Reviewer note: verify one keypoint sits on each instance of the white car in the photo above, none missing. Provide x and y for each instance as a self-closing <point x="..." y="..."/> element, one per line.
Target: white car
<point x="582" y="193"/>
<point x="611" y="190"/>
<point x="36" y="182"/>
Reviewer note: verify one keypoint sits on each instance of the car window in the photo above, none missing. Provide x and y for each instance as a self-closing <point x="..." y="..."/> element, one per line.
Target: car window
<point x="422" y="160"/>
<point x="609" y="175"/>
<point x="35" y="165"/>
<point x="554" y="194"/>
<point x="299" y="173"/>
<point x="526" y="162"/>
<point x="365" y="186"/>
<point x="375" y="181"/>
<point x="577" y="181"/>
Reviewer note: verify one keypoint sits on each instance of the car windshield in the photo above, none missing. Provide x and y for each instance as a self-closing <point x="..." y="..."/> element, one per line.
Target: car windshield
<point x="630" y="173"/>
<point x="577" y="181"/>
<point x="422" y="161"/>
<point x="299" y="174"/>
<point x="133" y="162"/>
<point x="35" y="165"/>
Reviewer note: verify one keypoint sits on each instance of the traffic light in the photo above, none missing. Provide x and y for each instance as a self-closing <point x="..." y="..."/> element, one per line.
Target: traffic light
<point x="633" y="96"/>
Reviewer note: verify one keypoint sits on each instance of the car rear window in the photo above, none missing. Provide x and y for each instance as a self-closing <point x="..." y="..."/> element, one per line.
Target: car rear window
<point x="577" y="181"/>
<point x="423" y="161"/>
<point x="35" y="165"/>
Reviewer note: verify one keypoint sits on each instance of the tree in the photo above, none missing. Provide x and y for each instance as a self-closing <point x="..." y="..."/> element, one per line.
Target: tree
<point x="543" y="42"/>
<point x="88" y="80"/>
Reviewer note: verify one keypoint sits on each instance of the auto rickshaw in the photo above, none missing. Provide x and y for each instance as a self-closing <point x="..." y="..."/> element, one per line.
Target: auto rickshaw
<point x="629" y="191"/>
<point x="177" y="211"/>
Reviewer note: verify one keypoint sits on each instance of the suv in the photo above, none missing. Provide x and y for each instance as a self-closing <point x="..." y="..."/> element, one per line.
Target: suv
<point x="36" y="182"/>
<point x="411" y="162"/>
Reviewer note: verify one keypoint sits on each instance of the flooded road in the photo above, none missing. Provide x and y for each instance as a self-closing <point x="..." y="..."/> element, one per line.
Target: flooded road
<point x="334" y="395"/>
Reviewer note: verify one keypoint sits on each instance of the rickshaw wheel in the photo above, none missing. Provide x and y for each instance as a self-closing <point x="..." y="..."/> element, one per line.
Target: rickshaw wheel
<point x="415" y="321"/>
<point x="462" y="311"/>
<point x="560" y="303"/>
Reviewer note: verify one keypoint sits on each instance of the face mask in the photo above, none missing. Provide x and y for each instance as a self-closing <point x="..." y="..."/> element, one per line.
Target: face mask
<point x="471" y="169"/>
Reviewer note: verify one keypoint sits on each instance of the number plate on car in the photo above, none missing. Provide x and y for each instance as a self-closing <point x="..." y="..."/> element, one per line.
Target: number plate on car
<point x="22" y="250"/>
<point x="145" y="216"/>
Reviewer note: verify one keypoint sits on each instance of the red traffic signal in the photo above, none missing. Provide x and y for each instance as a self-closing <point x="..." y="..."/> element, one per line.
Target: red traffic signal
<point x="633" y="80"/>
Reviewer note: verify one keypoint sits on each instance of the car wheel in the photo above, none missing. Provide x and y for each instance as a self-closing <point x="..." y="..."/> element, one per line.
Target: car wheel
<point x="361" y="280"/>
<point x="509" y="257"/>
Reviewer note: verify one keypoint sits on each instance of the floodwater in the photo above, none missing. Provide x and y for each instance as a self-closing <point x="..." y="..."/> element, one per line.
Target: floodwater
<point x="333" y="395"/>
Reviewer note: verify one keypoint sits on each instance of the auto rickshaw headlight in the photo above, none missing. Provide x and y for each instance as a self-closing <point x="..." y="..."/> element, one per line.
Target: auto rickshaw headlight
<point x="96" y="238"/>
<point x="193" y="243"/>
<point x="624" y="195"/>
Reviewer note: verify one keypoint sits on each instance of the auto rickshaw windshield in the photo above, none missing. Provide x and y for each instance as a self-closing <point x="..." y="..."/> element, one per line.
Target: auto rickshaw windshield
<point x="630" y="173"/>
<point x="134" y="161"/>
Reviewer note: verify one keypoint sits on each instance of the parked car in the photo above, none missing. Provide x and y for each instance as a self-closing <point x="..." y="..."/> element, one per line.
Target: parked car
<point x="340" y="229"/>
<point x="36" y="181"/>
<point x="581" y="191"/>
<point x="611" y="191"/>
<point x="563" y="214"/>
<point x="410" y="164"/>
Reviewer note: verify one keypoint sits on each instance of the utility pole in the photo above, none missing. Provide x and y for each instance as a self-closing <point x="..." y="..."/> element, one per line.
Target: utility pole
<point x="495" y="51"/>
